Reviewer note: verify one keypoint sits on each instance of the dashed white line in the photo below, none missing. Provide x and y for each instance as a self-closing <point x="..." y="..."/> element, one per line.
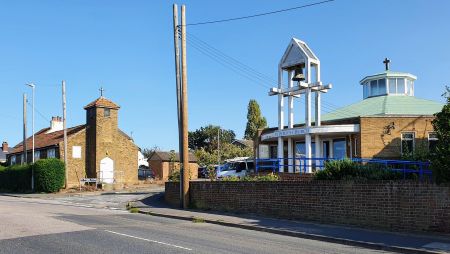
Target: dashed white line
<point x="149" y="240"/>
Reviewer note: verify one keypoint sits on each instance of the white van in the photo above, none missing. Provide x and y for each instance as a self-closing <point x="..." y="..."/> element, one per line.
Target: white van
<point x="239" y="167"/>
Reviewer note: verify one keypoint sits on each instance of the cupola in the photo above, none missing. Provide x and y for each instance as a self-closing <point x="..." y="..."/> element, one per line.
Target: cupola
<point x="388" y="83"/>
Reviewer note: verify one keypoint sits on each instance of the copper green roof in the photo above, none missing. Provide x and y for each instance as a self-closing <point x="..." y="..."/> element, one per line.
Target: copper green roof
<point x="386" y="106"/>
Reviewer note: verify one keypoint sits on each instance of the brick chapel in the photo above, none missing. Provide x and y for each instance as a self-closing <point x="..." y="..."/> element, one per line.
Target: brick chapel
<point x="97" y="149"/>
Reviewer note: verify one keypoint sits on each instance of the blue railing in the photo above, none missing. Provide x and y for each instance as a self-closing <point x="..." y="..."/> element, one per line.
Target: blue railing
<point x="301" y="164"/>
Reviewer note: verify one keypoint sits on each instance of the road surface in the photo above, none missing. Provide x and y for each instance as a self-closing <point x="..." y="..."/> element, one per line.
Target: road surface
<point x="30" y="225"/>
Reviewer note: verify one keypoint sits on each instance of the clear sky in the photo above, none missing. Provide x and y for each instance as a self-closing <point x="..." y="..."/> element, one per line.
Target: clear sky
<point x="127" y="47"/>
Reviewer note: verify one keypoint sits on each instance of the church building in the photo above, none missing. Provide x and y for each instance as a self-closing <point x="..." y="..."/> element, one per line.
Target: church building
<point x="389" y="122"/>
<point x="97" y="149"/>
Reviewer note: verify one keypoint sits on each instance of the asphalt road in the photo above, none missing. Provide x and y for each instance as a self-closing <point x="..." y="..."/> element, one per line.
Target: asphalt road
<point x="50" y="226"/>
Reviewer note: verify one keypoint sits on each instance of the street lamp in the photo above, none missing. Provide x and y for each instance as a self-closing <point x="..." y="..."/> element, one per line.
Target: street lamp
<point x="32" y="131"/>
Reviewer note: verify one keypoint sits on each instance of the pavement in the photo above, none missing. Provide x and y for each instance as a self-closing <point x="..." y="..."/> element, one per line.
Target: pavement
<point x="43" y="225"/>
<point x="374" y="239"/>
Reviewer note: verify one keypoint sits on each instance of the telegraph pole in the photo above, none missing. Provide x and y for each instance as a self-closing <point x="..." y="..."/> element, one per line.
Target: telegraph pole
<point x="184" y="110"/>
<point x="176" y="42"/>
<point x="65" y="133"/>
<point x="24" y="146"/>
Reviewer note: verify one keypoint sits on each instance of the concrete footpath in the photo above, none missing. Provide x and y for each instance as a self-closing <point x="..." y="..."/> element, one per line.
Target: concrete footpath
<point x="373" y="239"/>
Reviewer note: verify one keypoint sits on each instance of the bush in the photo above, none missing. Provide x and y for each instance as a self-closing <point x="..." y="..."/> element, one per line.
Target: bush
<point x="258" y="178"/>
<point x="175" y="176"/>
<point x="349" y="170"/>
<point x="49" y="175"/>
<point x="15" y="178"/>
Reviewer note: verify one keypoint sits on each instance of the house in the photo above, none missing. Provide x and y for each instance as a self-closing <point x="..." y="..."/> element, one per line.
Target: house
<point x="4" y="151"/>
<point x="164" y="164"/>
<point x="389" y="122"/>
<point x="97" y="149"/>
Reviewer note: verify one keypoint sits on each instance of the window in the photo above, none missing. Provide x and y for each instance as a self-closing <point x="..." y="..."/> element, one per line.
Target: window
<point x="381" y="86"/>
<point x="366" y="90"/>
<point x="339" y="148"/>
<point x="13" y="160"/>
<point x="76" y="152"/>
<point x="22" y="159"/>
<point x="51" y="153"/>
<point x="106" y="112"/>
<point x="273" y="152"/>
<point x="432" y="141"/>
<point x="410" y="87"/>
<point x="375" y="88"/>
<point x="408" y="142"/>
<point x="392" y="86"/>
<point x="37" y="155"/>
<point x="301" y="149"/>
<point x="400" y="85"/>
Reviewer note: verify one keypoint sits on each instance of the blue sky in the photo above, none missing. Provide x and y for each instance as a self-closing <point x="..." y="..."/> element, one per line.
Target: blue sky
<point x="127" y="47"/>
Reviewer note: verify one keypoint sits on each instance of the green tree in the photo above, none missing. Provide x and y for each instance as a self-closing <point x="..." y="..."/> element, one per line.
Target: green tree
<point x="206" y="137"/>
<point x="255" y="120"/>
<point x="441" y="124"/>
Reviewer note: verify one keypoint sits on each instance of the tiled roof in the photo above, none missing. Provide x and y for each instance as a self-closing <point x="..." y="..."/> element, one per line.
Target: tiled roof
<point x="102" y="102"/>
<point x="386" y="106"/>
<point x="43" y="139"/>
<point x="165" y="156"/>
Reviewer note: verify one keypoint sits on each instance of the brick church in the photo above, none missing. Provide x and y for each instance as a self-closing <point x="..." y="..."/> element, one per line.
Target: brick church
<point x="97" y="149"/>
<point x="388" y="123"/>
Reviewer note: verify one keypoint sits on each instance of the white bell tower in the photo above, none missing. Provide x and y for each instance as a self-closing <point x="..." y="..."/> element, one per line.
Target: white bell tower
<point x="303" y="69"/>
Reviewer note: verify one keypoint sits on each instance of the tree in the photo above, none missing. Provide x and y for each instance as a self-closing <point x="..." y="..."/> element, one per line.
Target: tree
<point x="148" y="152"/>
<point x="255" y="120"/>
<point x="206" y="138"/>
<point x="441" y="124"/>
<point x="227" y="151"/>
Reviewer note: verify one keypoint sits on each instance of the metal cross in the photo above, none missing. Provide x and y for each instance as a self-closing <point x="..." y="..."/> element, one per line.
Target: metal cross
<point x="101" y="91"/>
<point x="386" y="62"/>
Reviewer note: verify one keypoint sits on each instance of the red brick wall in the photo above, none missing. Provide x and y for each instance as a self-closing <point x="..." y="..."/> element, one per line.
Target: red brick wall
<point x="398" y="206"/>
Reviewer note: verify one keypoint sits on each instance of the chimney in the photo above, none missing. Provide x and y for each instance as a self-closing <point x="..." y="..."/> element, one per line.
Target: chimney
<point x="56" y="124"/>
<point x="5" y="147"/>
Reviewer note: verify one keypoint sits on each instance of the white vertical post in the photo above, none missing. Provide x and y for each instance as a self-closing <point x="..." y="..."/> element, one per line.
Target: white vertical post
<point x="319" y="148"/>
<point x="280" y="149"/>
<point x="308" y="118"/>
<point x="290" y="123"/>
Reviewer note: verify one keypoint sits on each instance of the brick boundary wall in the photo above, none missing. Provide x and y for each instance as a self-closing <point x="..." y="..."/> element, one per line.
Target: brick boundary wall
<point x="396" y="206"/>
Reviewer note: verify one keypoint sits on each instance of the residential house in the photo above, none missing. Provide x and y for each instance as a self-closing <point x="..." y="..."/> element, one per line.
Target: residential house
<point x="164" y="164"/>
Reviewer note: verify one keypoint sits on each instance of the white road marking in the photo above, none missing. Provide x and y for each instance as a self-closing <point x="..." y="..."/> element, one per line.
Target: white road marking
<point x="438" y="246"/>
<point x="148" y="240"/>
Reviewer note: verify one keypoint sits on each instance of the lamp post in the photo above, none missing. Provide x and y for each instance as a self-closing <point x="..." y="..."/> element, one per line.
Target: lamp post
<point x="32" y="131"/>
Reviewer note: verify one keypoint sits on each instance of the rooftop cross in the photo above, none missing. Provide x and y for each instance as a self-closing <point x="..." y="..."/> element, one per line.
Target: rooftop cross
<point x="101" y="91"/>
<point x="386" y="62"/>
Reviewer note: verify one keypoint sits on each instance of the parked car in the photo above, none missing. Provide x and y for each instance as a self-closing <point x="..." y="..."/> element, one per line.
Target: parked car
<point x="239" y="167"/>
<point x="145" y="173"/>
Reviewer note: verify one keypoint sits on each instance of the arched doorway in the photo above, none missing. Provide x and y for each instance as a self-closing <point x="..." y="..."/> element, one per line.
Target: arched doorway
<point x="107" y="170"/>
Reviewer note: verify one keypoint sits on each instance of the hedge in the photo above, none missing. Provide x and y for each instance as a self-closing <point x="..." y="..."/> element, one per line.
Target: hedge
<point x="15" y="178"/>
<point x="349" y="170"/>
<point x="49" y="174"/>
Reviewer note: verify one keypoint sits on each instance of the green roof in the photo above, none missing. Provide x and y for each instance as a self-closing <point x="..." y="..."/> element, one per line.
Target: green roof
<point x="387" y="105"/>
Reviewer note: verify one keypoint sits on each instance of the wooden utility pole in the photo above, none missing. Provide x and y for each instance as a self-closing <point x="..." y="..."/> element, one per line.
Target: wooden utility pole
<point x="184" y="110"/>
<point x="176" y="42"/>
<point x="24" y="146"/>
<point x="65" y="133"/>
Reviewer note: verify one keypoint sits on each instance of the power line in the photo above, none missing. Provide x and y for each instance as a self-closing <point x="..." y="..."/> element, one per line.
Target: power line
<point x="250" y="73"/>
<point x="39" y="112"/>
<point x="258" y="15"/>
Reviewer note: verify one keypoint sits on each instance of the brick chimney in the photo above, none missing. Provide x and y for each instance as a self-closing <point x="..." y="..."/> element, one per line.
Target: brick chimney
<point x="5" y="146"/>
<point x="56" y="124"/>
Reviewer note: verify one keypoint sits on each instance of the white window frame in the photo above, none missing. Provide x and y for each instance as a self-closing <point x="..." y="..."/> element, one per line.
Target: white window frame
<point x="37" y="155"/>
<point x="51" y="153"/>
<point x="13" y="160"/>
<point x="434" y="139"/>
<point x="413" y="140"/>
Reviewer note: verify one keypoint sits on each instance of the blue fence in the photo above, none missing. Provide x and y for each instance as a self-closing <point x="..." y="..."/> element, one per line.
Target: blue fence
<point x="301" y="164"/>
